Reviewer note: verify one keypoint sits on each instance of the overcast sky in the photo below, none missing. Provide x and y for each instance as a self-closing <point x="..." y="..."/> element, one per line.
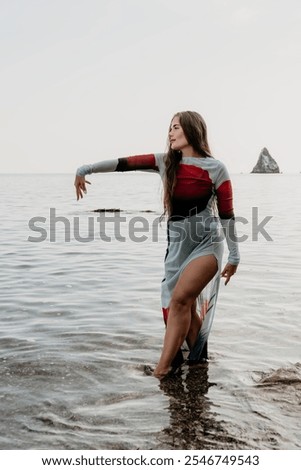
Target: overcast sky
<point x="87" y="80"/>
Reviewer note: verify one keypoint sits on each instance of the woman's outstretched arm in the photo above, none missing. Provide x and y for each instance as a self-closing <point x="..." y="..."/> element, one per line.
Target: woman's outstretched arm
<point x="147" y="162"/>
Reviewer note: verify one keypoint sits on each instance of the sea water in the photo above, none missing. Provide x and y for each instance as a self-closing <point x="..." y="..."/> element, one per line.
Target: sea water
<point x="80" y="318"/>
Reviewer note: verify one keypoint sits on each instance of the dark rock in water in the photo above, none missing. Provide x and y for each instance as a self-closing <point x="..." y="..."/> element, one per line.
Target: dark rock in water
<point x="265" y="163"/>
<point x="121" y="210"/>
<point x="106" y="210"/>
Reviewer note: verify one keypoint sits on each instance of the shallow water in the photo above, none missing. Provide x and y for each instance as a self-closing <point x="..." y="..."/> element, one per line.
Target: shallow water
<point x="80" y="319"/>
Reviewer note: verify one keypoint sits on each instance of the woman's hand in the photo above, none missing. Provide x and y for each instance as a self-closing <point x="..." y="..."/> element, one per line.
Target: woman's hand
<point x="228" y="272"/>
<point x="80" y="186"/>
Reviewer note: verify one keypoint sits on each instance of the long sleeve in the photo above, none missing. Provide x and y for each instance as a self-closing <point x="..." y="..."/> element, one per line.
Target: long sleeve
<point x="231" y="239"/>
<point x="138" y="162"/>
<point x="100" y="167"/>
<point x="224" y="194"/>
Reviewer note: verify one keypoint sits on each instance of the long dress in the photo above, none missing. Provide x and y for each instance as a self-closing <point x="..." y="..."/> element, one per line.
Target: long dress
<point x="202" y="216"/>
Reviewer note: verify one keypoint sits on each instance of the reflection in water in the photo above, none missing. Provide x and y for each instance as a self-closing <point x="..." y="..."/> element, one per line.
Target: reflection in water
<point x="193" y="425"/>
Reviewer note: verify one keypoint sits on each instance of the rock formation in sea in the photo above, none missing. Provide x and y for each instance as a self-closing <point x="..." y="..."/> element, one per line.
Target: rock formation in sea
<point x="266" y="163"/>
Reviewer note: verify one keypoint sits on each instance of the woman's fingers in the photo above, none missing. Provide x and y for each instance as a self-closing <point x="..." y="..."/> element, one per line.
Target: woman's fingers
<point x="80" y="186"/>
<point x="225" y="274"/>
<point x="228" y="272"/>
<point x="78" y="189"/>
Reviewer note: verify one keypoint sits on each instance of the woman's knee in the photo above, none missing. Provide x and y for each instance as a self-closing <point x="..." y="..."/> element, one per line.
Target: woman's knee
<point x="181" y="301"/>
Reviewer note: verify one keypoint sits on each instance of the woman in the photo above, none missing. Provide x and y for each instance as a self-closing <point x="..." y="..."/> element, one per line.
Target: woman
<point x="197" y="201"/>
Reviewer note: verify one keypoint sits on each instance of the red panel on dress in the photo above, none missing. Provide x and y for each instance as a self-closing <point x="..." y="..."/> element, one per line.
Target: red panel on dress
<point x="225" y="200"/>
<point x="141" y="161"/>
<point x="192" y="182"/>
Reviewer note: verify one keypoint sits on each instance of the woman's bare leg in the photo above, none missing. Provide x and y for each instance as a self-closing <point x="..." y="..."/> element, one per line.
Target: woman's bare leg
<point x="191" y="282"/>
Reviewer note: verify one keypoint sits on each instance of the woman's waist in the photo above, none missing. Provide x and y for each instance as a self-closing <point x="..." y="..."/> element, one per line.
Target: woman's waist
<point x="197" y="225"/>
<point x="186" y="207"/>
<point x="194" y="215"/>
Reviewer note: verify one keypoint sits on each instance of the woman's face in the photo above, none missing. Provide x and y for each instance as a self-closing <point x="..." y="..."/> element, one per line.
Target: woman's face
<point x="177" y="139"/>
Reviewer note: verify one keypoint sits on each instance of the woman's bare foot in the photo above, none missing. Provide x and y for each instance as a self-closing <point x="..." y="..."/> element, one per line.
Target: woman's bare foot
<point x="163" y="373"/>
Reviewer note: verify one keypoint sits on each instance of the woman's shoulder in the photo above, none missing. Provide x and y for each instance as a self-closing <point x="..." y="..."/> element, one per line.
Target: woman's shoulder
<point x="210" y="164"/>
<point x="160" y="156"/>
<point x="217" y="170"/>
<point x="214" y="162"/>
<point x="160" y="161"/>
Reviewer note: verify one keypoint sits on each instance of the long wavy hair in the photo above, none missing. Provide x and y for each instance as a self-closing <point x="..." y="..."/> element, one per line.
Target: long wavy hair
<point x="195" y="130"/>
